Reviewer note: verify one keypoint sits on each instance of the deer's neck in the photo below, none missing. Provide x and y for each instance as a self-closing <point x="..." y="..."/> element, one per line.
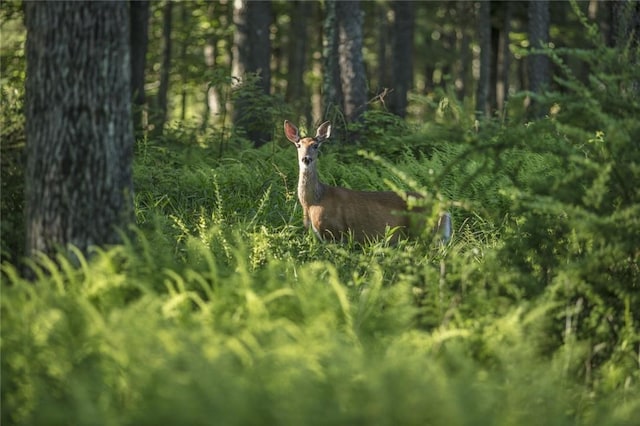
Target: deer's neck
<point x="310" y="188"/>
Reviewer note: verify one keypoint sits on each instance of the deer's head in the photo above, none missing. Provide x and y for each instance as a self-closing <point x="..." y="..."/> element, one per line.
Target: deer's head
<point x="307" y="146"/>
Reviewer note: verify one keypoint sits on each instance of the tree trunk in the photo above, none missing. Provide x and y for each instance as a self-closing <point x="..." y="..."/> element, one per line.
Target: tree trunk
<point x="184" y="66"/>
<point x="464" y="74"/>
<point x="538" y="64"/>
<point x="484" y="33"/>
<point x="260" y="18"/>
<point x="383" y="46"/>
<point x="402" y="59"/>
<point x="163" y="89"/>
<point x="448" y="43"/>
<point x="465" y="12"/>
<point x="624" y="16"/>
<point x="139" y="19"/>
<point x="211" y="100"/>
<point x="495" y="66"/>
<point x="296" y="91"/>
<point x="352" y="73"/>
<point x="625" y="34"/>
<point x="252" y="55"/>
<point x="504" y="58"/>
<point x="252" y="46"/>
<point x="331" y="85"/>
<point x="79" y="127"/>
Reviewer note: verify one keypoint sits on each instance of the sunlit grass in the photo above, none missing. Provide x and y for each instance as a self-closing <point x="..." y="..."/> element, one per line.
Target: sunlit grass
<point x="219" y="306"/>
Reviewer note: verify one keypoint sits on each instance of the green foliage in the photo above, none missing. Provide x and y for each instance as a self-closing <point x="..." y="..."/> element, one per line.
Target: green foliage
<point x="220" y="306"/>
<point x="12" y="165"/>
<point x="12" y="139"/>
<point x="219" y="337"/>
<point x="582" y="225"/>
<point x="256" y="111"/>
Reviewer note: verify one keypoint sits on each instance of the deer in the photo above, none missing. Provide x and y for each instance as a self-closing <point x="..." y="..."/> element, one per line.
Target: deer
<point x="335" y="213"/>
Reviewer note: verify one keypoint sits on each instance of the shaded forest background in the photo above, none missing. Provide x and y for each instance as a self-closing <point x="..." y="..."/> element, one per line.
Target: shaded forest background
<point x="198" y="52"/>
<point x="476" y="50"/>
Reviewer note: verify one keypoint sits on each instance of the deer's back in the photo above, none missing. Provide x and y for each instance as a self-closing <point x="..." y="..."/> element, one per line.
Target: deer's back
<point x="364" y="214"/>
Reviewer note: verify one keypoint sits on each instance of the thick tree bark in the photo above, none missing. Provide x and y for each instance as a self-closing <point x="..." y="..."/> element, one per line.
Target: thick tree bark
<point x="139" y="19"/>
<point x="484" y="33"/>
<point x="79" y="127"/>
<point x="538" y="64"/>
<point x="402" y="62"/>
<point x="352" y="73"/>
<point x="252" y="55"/>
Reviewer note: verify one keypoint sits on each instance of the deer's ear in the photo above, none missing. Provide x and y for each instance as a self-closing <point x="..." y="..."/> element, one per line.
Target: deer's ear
<point x="291" y="132"/>
<point x="324" y="131"/>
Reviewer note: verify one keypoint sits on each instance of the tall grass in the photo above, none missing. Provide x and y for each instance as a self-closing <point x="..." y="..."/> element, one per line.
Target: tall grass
<point x="220" y="308"/>
<point x="286" y="343"/>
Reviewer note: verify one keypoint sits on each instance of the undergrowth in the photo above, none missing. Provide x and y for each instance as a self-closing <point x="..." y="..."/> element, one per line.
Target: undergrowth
<point x="220" y="307"/>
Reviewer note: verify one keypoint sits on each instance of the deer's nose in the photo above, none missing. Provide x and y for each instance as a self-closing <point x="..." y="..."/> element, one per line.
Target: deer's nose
<point x="306" y="160"/>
